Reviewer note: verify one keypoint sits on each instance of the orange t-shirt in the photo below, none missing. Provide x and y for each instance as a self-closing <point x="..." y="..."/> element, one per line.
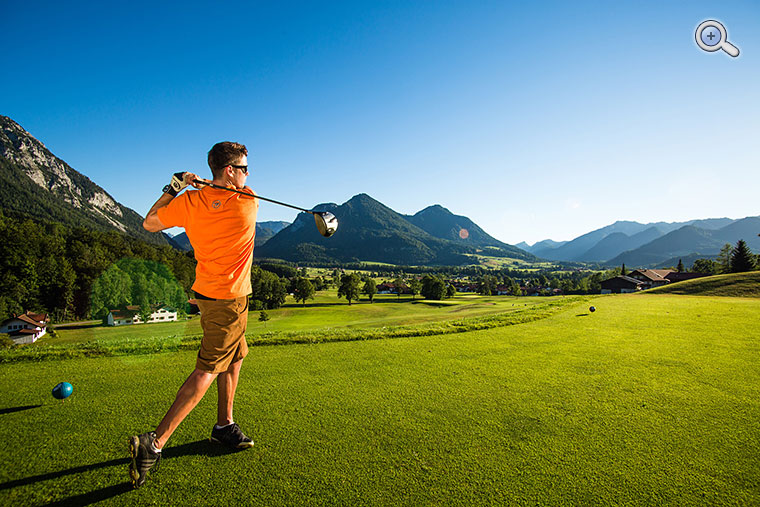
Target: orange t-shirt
<point x="221" y="226"/>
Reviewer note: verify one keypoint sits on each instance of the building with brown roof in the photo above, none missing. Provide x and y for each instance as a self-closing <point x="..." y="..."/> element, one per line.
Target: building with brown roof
<point x="621" y="285"/>
<point x="651" y="277"/>
<point x="675" y="276"/>
<point x="646" y="279"/>
<point x="25" y="328"/>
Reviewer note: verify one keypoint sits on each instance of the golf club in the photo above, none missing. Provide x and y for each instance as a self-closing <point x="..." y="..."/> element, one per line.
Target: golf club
<point x="326" y="221"/>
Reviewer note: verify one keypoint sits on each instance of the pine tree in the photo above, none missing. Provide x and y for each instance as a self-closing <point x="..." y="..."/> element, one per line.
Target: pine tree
<point x="623" y="271"/>
<point x="724" y="258"/>
<point x="742" y="258"/>
<point x="680" y="267"/>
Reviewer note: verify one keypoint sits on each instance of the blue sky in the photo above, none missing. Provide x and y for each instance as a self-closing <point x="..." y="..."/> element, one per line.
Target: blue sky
<point x="540" y="121"/>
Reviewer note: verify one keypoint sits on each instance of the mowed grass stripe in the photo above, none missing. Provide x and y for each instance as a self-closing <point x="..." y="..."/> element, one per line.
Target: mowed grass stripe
<point x="646" y="401"/>
<point x="451" y="321"/>
<point x="325" y="311"/>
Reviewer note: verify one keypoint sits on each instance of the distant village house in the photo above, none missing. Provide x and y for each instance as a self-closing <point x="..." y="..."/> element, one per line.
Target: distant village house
<point x="131" y="315"/>
<point x="621" y="285"/>
<point x="651" y="278"/>
<point x="461" y="286"/>
<point x="659" y="277"/>
<point x="390" y="288"/>
<point x="25" y="328"/>
<point x="641" y="279"/>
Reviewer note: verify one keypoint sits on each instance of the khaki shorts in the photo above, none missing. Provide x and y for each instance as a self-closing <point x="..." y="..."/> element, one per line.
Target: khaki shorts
<point x="223" y="322"/>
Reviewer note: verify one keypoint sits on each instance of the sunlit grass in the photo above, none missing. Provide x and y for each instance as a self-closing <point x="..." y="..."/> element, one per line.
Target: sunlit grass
<point x="648" y="401"/>
<point x="325" y="311"/>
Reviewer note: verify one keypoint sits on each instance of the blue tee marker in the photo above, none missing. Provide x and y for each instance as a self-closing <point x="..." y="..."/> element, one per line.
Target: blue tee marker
<point x="62" y="390"/>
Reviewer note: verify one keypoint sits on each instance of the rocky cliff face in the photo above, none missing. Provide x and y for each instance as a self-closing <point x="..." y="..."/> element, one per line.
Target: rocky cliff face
<point x="25" y="154"/>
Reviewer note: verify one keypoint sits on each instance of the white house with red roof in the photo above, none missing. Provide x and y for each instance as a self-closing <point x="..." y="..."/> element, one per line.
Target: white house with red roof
<point x="25" y="328"/>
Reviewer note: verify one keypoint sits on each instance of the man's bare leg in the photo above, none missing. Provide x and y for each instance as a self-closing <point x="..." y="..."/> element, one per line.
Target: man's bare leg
<point x="226" y="385"/>
<point x="187" y="398"/>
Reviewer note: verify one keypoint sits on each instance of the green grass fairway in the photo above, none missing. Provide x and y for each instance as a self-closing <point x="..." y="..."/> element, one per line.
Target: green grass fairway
<point x="648" y="401"/>
<point x="325" y="311"/>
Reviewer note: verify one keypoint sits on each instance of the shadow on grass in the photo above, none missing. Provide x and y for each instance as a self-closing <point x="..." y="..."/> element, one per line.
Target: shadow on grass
<point x="200" y="447"/>
<point x="94" y="496"/>
<point x="343" y="302"/>
<point x="83" y="325"/>
<point x="394" y="299"/>
<point x="582" y="315"/>
<point x="308" y="305"/>
<point x="17" y="409"/>
<point x="405" y="298"/>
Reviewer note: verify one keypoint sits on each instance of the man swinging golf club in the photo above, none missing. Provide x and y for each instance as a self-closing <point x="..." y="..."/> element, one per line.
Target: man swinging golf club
<point x="220" y="226"/>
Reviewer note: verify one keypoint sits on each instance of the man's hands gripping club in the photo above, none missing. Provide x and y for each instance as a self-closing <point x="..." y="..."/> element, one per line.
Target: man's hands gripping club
<point x="180" y="181"/>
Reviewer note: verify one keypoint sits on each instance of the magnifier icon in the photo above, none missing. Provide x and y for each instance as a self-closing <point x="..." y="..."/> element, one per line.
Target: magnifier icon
<point x="711" y="36"/>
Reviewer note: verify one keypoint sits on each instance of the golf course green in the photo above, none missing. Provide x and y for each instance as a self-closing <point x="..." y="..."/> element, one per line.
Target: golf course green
<point x="653" y="399"/>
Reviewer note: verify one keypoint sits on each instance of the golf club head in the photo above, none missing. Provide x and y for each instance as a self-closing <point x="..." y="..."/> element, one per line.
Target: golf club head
<point x="326" y="223"/>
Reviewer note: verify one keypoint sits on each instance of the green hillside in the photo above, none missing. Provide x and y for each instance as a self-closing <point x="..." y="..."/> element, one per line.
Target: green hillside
<point x="442" y="223"/>
<point x="368" y="231"/>
<point x="36" y="184"/>
<point x="22" y="198"/>
<point x="732" y="285"/>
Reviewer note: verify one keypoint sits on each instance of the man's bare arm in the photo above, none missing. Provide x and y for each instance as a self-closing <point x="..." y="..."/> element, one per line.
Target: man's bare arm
<point x="152" y="223"/>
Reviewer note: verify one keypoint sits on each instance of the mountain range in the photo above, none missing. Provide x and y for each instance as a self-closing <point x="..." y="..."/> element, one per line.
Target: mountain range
<point x="36" y="184"/>
<point x="652" y="244"/>
<point x="370" y="231"/>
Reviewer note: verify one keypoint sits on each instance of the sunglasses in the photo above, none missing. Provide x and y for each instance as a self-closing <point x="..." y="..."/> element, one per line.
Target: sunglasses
<point x="243" y="168"/>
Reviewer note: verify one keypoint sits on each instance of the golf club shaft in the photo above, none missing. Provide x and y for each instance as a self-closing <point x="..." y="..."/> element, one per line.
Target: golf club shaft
<point x="213" y="185"/>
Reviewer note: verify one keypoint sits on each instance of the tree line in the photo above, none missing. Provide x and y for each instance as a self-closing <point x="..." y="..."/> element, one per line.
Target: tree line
<point x="51" y="268"/>
<point x="80" y="273"/>
<point x="439" y="284"/>
<point x="731" y="259"/>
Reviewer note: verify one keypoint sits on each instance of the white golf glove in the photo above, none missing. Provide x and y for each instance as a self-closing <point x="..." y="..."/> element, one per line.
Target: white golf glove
<point x="176" y="185"/>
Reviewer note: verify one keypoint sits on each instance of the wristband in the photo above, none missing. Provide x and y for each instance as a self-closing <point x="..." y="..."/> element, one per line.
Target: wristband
<point x="176" y="184"/>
